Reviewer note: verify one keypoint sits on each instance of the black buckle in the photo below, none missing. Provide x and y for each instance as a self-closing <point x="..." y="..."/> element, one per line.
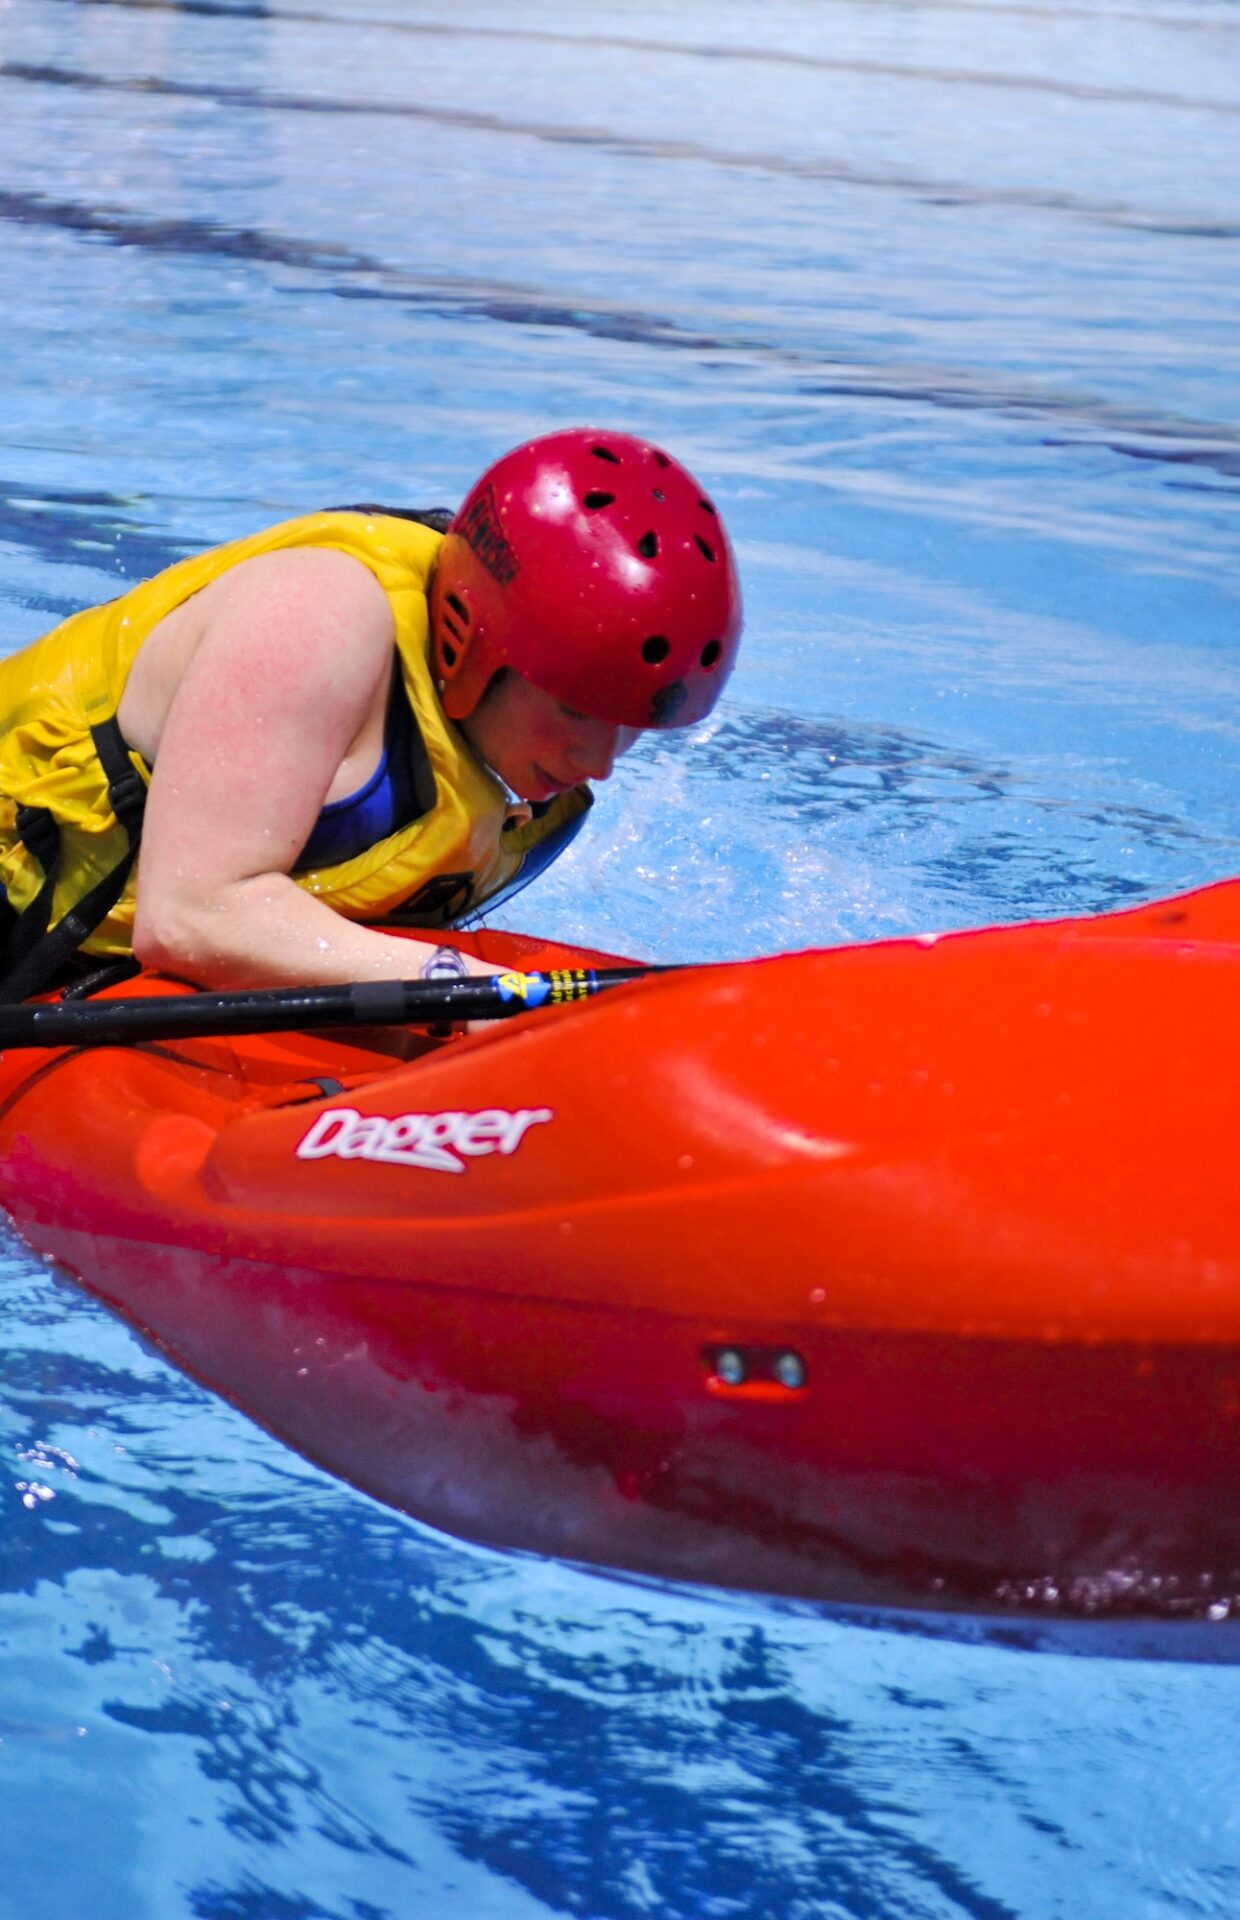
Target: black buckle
<point x="128" y="796"/>
<point x="40" y="834"/>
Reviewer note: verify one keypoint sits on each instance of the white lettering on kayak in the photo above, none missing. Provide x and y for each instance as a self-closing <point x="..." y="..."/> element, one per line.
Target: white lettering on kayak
<point x="431" y="1140"/>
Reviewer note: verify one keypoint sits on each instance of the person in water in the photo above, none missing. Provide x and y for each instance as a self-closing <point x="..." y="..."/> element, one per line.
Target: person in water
<point x="359" y="719"/>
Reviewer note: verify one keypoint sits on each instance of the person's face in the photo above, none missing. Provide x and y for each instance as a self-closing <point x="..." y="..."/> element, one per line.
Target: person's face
<point x="536" y="744"/>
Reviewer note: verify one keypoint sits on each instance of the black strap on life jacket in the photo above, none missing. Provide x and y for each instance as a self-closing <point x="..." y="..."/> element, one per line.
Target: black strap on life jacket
<point x="37" y="954"/>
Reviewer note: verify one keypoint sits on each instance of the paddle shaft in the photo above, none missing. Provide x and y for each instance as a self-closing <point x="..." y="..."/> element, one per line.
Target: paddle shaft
<point x="379" y="1003"/>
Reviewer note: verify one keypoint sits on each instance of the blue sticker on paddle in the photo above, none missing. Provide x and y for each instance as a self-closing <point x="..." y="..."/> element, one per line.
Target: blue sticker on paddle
<point x="531" y="988"/>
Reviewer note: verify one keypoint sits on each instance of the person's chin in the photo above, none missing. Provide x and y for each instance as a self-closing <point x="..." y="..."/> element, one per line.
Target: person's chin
<point x="539" y="785"/>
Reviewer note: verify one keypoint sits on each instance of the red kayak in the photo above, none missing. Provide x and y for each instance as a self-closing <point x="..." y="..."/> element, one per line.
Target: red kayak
<point x="903" y="1275"/>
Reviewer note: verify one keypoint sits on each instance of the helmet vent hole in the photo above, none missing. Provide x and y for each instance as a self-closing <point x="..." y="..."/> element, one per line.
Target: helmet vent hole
<point x="710" y="654"/>
<point x="449" y="653"/>
<point x="605" y="453"/>
<point x="657" y="493"/>
<point x="648" y="545"/>
<point x="458" y="607"/>
<point x="655" y="650"/>
<point x="706" y="503"/>
<point x="661" y="459"/>
<point x="593" y="501"/>
<point x="705" y="545"/>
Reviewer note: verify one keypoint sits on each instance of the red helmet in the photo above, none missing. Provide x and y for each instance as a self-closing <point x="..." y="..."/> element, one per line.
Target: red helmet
<point x="596" y="567"/>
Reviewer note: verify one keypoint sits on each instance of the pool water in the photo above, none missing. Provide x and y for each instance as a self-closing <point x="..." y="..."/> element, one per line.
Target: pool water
<point x="940" y="301"/>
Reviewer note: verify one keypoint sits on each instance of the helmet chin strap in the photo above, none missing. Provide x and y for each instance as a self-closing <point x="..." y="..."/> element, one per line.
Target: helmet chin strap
<point x="462" y="726"/>
<point x="514" y="798"/>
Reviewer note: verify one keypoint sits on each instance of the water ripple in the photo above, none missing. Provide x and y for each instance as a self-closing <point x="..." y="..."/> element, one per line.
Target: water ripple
<point x="1186" y="22"/>
<point x="922" y="187"/>
<point x="1164" y="436"/>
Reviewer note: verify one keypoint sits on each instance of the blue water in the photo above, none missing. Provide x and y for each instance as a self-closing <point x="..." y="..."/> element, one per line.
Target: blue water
<point x="940" y="299"/>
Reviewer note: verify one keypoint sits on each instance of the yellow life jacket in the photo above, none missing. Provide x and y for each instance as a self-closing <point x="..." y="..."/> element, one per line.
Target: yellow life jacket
<point x="71" y="791"/>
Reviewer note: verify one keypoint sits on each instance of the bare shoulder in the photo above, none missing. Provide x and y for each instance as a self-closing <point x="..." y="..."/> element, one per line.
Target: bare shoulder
<point x="309" y="583"/>
<point x="276" y="630"/>
<point x="312" y="606"/>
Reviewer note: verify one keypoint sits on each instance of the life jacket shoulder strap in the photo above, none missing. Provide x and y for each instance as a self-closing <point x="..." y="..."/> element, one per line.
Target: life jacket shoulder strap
<point x="36" y="954"/>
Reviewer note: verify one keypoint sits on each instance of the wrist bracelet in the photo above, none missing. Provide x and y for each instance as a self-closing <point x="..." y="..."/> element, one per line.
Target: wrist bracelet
<point x="445" y="964"/>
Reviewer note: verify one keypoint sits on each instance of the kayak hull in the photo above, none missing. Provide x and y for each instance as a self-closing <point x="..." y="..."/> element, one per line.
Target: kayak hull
<point x="593" y="1434"/>
<point x="906" y="1276"/>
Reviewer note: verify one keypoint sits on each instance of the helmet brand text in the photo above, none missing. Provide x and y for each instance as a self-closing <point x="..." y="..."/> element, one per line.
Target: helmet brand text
<point x="481" y="526"/>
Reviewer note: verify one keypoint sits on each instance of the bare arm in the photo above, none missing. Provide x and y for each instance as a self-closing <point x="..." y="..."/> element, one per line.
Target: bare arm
<point x="275" y="707"/>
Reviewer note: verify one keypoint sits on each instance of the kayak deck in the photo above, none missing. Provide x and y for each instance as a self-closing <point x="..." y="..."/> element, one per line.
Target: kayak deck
<point x="905" y="1275"/>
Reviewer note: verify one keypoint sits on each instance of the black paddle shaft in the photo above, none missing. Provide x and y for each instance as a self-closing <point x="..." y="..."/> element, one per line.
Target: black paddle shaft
<point x="379" y="1003"/>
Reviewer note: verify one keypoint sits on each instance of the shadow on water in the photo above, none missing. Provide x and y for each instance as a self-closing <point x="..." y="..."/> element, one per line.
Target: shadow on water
<point x="439" y="295"/>
<point x="80" y="527"/>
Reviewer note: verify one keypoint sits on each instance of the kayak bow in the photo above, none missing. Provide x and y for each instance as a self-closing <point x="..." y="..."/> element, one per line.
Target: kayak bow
<point x="900" y="1275"/>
